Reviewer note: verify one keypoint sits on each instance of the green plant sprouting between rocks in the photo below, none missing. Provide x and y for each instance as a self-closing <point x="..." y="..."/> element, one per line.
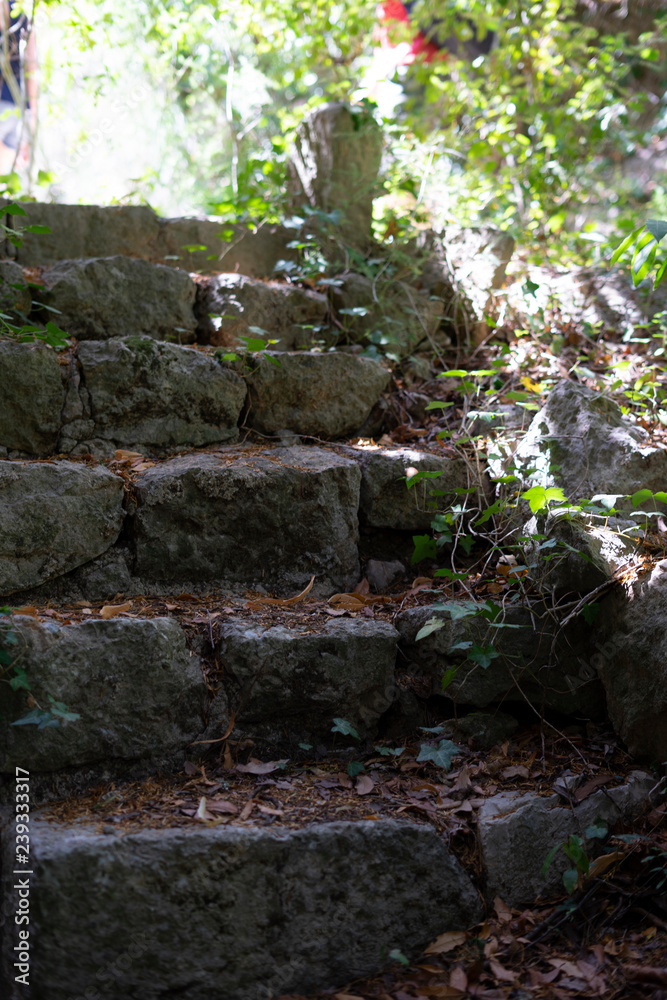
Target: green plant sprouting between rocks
<point x="13" y="674"/>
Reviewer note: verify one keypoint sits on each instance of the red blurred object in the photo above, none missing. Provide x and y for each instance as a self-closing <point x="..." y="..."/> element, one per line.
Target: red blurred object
<point x="421" y="48"/>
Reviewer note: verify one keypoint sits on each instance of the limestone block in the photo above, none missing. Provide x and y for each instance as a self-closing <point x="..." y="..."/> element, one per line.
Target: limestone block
<point x="148" y="395"/>
<point x="631" y="658"/>
<point x="53" y="518"/>
<point x="592" y="448"/>
<point x="386" y="501"/>
<point x="297" y="680"/>
<point x="290" y="315"/>
<point x="244" y="910"/>
<point x="525" y="670"/>
<point x="32" y="397"/>
<point x="323" y="395"/>
<point x="516" y="833"/>
<point x="138" y="691"/>
<point x="105" y="297"/>
<point x="275" y="517"/>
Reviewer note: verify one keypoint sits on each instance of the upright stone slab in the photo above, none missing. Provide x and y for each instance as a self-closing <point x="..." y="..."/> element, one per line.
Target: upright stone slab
<point x="53" y="518"/>
<point x="32" y="398"/>
<point x="323" y="395"/>
<point x="230" y="912"/>
<point x="133" y="682"/>
<point x="581" y="442"/>
<point x="631" y="659"/>
<point x="107" y="297"/>
<point x="334" y="167"/>
<point x="143" y="394"/>
<point x="274" y="517"/>
<point x="285" y="678"/>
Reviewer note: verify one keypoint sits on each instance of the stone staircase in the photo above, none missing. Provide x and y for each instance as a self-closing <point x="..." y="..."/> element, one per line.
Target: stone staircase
<point x="180" y="536"/>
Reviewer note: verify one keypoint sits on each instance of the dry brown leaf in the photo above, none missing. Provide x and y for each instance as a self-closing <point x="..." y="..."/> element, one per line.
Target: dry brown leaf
<point x="516" y="771"/>
<point x="141" y="466"/>
<point x="190" y="768"/>
<point x="365" y="784"/>
<point x="336" y="612"/>
<point x="247" y="809"/>
<point x="111" y="610"/>
<point x="222" y="806"/>
<point x="446" y="942"/>
<point x="500" y="972"/>
<point x="202" y="811"/>
<point x="458" y="979"/>
<point x="346" y="601"/>
<point x="591" y="786"/>
<point x="29" y="609"/>
<point x="347" y="996"/>
<point x="503" y="912"/>
<point x="600" y="865"/>
<point x="286" y="602"/>
<point x="363" y="587"/>
<point x="127" y="456"/>
<point x="260" y="767"/>
<point x="344" y="780"/>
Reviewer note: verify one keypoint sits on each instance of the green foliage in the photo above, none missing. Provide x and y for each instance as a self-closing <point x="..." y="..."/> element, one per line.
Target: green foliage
<point x="441" y="754"/>
<point x="354" y="768"/>
<point x="346" y="728"/>
<point x="43" y="718"/>
<point x="642" y="243"/>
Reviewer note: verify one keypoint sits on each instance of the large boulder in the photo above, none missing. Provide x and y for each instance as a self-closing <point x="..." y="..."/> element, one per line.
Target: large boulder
<point x="284" y="677"/>
<point x="334" y="167"/>
<point x="631" y="659"/>
<point x="234" y="303"/>
<point x="243" y="516"/>
<point x="107" y="297"/>
<point x="144" y="394"/>
<point x="525" y="669"/>
<point x="229" y="912"/>
<point x="581" y="442"/>
<point x="386" y="500"/>
<point x="517" y="832"/>
<point x="322" y="395"/>
<point x="55" y="517"/>
<point x="33" y="397"/>
<point x="139" y="692"/>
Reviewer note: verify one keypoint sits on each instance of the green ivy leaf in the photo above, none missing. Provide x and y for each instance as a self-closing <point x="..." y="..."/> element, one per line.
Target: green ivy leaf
<point x="354" y="768"/>
<point x="345" y="727"/>
<point x="484" y="655"/>
<point x="425" y="548"/>
<point x="432" y="625"/>
<point x="570" y="880"/>
<point x="440" y="755"/>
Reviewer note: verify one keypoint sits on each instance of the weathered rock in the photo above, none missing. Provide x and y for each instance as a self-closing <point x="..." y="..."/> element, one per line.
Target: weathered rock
<point x="13" y="298"/>
<point x="485" y="729"/>
<point x="133" y="682"/>
<point x="107" y="297"/>
<point x="525" y="669"/>
<point x="289" y="679"/>
<point x="479" y="259"/>
<point x="274" y="517"/>
<point x="197" y="244"/>
<point x="245" y="910"/>
<point x="381" y="575"/>
<point x="323" y="395"/>
<point x="32" y="397"/>
<point x="54" y="517"/>
<point x="631" y="659"/>
<point x="88" y="231"/>
<point x="386" y="313"/>
<point x="291" y="315"/>
<point x="334" y="167"/>
<point x="516" y="833"/>
<point x="589" y="549"/>
<point x="145" y="394"/>
<point x="386" y="501"/>
<point x="591" y="447"/>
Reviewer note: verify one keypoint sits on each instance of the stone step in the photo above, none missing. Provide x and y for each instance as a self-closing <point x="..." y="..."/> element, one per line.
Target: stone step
<point x="140" y="394"/>
<point x="196" y="244"/>
<point x="244" y="910"/>
<point x="227" y="868"/>
<point x="237" y="517"/>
